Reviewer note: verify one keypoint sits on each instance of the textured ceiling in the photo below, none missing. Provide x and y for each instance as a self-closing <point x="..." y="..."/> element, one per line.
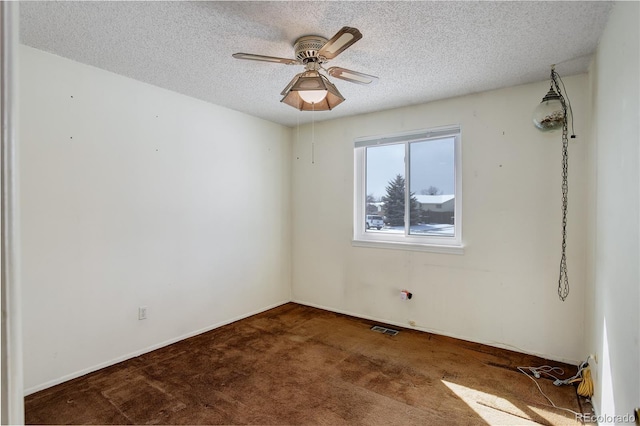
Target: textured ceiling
<point x="421" y="51"/>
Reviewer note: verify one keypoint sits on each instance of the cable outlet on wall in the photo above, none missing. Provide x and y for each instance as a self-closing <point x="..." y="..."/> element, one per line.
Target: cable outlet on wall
<point x="142" y="312"/>
<point x="412" y="323"/>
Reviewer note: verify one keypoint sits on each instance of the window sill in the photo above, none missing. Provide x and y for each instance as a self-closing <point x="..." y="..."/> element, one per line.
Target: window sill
<point x="409" y="246"/>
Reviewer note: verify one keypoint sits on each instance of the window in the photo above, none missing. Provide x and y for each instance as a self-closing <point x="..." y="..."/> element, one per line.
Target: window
<point x="413" y="182"/>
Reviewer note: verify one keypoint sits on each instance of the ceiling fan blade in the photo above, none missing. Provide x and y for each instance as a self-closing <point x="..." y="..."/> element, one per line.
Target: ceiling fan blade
<point x="352" y="76"/>
<point x="252" y="57"/>
<point x="339" y="42"/>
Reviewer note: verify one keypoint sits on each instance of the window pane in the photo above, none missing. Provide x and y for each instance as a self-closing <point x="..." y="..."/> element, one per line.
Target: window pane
<point x="432" y="186"/>
<point x="385" y="189"/>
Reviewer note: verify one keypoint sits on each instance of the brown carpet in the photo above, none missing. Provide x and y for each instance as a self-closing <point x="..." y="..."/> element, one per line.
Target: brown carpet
<point x="299" y="365"/>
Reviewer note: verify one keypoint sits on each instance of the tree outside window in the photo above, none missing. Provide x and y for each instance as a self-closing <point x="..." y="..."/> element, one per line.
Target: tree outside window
<point x="394" y="203"/>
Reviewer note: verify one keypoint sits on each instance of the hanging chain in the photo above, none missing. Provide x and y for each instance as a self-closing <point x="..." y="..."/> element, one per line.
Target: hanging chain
<point x="313" y="133"/>
<point x="563" y="280"/>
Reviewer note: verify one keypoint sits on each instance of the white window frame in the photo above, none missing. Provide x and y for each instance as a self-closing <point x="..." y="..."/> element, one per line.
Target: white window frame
<point x="434" y="243"/>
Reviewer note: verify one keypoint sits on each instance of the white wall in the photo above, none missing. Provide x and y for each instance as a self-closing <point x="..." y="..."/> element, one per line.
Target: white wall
<point x="133" y="195"/>
<point x="503" y="290"/>
<point x="11" y="377"/>
<point x="613" y="322"/>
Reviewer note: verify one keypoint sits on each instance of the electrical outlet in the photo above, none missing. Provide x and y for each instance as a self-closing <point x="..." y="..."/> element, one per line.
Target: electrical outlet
<point x="142" y="312"/>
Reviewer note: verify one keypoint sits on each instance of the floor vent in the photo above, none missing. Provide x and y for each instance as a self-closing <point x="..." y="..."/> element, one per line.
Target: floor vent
<point x="384" y="330"/>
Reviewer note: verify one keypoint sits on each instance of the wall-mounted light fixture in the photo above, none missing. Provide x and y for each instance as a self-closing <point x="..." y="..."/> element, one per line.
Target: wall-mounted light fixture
<point x="549" y="114"/>
<point x="552" y="114"/>
<point x="553" y="111"/>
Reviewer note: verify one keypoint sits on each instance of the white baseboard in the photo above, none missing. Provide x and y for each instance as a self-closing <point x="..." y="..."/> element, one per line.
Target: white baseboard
<point x="301" y="302"/>
<point x="151" y="348"/>
<point x="441" y="333"/>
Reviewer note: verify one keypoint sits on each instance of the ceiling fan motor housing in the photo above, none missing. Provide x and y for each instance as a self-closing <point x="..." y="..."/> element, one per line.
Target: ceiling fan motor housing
<point x="307" y="47"/>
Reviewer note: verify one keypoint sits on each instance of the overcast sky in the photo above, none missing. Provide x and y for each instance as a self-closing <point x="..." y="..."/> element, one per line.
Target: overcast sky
<point x="431" y="165"/>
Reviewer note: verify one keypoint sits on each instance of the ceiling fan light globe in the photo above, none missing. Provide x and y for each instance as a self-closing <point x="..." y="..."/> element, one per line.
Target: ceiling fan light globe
<point x="311" y="91"/>
<point x="312" y="96"/>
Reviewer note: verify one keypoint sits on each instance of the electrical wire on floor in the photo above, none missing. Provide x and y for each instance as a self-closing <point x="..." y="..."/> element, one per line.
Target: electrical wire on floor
<point x="585" y="387"/>
<point x="536" y="372"/>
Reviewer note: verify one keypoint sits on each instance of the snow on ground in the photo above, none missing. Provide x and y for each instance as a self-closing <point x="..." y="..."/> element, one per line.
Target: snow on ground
<point x="422" y="228"/>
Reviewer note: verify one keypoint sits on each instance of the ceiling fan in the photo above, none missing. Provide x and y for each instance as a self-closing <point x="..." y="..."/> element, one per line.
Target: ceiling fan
<point x="311" y="90"/>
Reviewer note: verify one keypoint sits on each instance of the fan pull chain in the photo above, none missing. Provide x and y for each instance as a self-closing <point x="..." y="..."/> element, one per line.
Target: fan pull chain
<point x="313" y="133"/>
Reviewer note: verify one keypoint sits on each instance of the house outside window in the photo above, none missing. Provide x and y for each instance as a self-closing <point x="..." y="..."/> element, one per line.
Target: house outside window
<point x="413" y="180"/>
